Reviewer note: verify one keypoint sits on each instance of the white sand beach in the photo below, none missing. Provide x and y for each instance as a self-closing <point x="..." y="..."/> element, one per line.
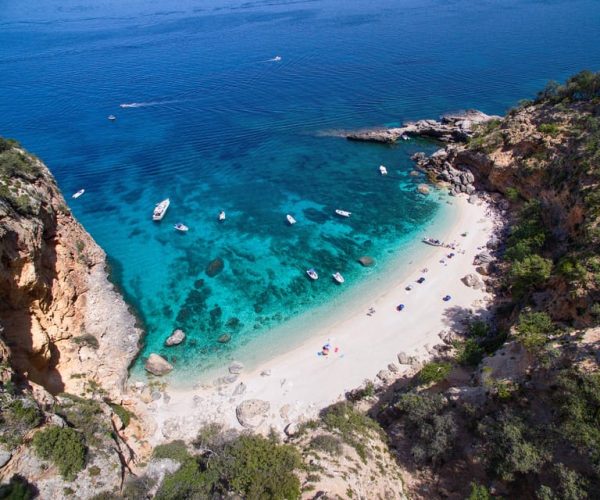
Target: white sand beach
<point x="301" y="382"/>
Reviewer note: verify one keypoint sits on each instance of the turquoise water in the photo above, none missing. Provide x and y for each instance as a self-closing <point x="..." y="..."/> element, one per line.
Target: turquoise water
<point x="218" y="126"/>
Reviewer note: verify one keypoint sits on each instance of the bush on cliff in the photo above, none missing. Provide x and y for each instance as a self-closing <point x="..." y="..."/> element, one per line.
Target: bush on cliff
<point x="533" y="329"/>
<point x="529" y="274"/>
<point x="64" y="447"/>
<point x="251" y="466"/>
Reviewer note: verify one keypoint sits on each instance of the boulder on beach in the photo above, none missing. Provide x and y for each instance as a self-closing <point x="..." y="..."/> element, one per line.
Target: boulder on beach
<point x="252" y="412"/>
<point x="403" y="358"/>
<point x="157" y="365"/>
<point x="215" y="267"/>
<point x="386" y="376"/>
<point x="366" y="261"/>
<point x="473" y="281"/>
<point x="223" y="339"/>
<point x="482" y="258"/>
<point x="176" y="338"/>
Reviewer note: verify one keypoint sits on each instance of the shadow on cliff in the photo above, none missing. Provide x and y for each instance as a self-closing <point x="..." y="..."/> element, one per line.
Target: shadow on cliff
<point x="33" y="356"/>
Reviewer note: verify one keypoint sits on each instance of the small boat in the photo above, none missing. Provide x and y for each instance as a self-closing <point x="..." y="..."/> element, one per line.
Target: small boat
<point x="181" y="227"/>
<point x="432" y="242"/>
<point x="405" y="137"/>
<point x="343" y="213"/>
<point x="276" y="59"/>
<point x="112" y="118"/>
<point x="312" y="274"/>
<point x="290" y="219"/>
<point x="160" y="210"/>
<point x="338" y="277"/>
<point x="78" y="193"/>
<point x="221" y="215"/>
<point x="383" y="170"/>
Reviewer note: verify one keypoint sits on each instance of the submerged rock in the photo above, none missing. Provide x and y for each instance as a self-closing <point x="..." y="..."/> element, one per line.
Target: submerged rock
<point x="223" y="339"/>
<point x="176" y="338"/>
<point x="157" y="365"/>
<point x="252" y="412"/>
<point x="423" y="189"/>
<point x="366" y="261"/>
<point x="215" y="267"/>
<point x="236" y="367"/>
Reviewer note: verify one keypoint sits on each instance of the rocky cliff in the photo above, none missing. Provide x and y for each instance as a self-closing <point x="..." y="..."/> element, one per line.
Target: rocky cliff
<point x="64" y="324"/>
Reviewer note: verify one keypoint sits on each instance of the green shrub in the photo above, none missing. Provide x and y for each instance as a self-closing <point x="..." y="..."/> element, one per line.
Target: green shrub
<point x="431" y="427"/>
<point x="434" y="372"/>
<point x="175" y="450"/>
<point x="549" y="128"/>
<point x="24" y="415"/>
<point x="187" y="482"/>
<point x="123" y="413"/>
<point x="571" y="269"/>
<point x="578" y="400"/>
<point x="511" y="449"/>
<point x="327" y="443"/>
<point x="469" y="352"/>
<point x="530" y="273"/>
<point x="256" y="467"/>
<point x="17" y="489"/>
<point x="64" y="447"/>
<point x="479" y="492"/>
<point x="533" y="329"/>
<point x="512" y="194"/>
<point x="85" y="415"/>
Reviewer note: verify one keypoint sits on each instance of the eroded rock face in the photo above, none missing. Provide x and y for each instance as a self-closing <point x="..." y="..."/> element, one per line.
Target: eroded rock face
<point x="252" y="412"/>
<point x="60" y="313"/>
<point x="157" y="365"/>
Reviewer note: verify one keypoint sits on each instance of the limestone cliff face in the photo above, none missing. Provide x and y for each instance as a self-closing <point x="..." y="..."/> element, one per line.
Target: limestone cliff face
<point x="64" y="324"/>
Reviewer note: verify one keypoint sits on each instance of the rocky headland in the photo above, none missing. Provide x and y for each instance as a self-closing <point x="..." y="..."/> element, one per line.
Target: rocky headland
<point x="452" y="127"/>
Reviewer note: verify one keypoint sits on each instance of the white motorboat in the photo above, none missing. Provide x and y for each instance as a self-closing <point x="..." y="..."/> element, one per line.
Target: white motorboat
<point x="312" y="274"/>
<point x="338" y="277"/>
<point x="221" y="215"/>
<point x="383" y="170"/>
<point x="181" y="227"/>
<point x="343" y="213"/>
<point x="290" y="219"/>
<point x="78" y="193"/>
<point x="433" y="242"/>
<point x="276" y="59"/>
<point x="160" y="210"/>
<point x="112" y="118"/>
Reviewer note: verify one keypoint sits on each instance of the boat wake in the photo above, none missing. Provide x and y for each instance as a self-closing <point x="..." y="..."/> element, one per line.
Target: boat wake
<point x="274" y="59"/>
<point x="146" y="104"/>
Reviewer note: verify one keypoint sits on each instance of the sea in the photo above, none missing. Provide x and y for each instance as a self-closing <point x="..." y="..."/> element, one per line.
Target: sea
<point x="235" y="106"/>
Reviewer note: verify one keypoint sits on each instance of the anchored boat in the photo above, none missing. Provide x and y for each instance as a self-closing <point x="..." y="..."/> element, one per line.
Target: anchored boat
<point x="343" y="213"/>
<point x="338" y="277"/>
<point x="181" y="227"/>
<point x="221" y="216"/>
<point x="383" y="170"/>
<point x="160" y="210"/>
<point x="312" y="274"/>
<point x="290" y="220"/>
<point x="78" y="193"/>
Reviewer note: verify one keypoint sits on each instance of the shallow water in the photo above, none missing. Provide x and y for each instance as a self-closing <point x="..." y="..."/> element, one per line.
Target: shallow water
<point x="212" y="123"/>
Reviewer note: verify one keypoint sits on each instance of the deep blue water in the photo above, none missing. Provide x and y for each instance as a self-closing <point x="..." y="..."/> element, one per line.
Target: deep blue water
<point x="220" y="127"/>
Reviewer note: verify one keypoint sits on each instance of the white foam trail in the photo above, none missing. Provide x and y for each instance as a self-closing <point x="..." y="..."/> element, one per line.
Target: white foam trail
<point x="275" y="59"/>
<point x="146" y="104"/>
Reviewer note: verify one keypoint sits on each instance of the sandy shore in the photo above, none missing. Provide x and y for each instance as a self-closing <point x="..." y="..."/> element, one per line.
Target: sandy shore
<point x="301" y="382"/>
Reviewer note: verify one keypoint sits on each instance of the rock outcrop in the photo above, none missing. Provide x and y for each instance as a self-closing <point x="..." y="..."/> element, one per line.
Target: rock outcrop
<point x="176" y="338"/>
<point x="456" y="127"/>
<point x="251" y="412"/>
<point x="64" y="322"/>
<point x="157" y="365"/>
